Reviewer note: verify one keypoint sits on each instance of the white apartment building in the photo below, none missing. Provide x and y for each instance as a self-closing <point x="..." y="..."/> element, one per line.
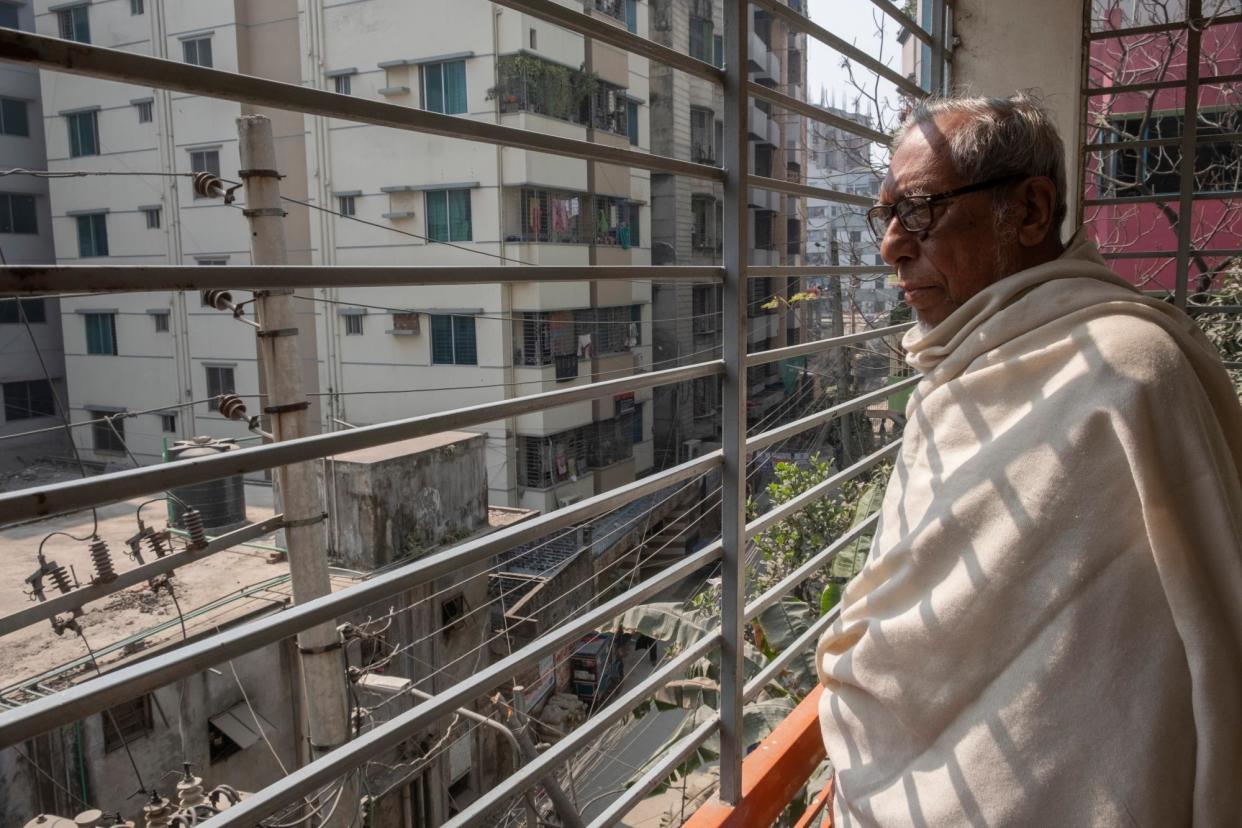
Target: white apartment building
<point x="29" y="399"/>
<point x="687" y="122"/>
<point x="837" y="234"/>
<point x="427" y="201"/>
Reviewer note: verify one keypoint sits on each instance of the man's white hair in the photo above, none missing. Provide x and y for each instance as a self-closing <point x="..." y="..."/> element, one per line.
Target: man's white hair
<point x="999" y="137"/>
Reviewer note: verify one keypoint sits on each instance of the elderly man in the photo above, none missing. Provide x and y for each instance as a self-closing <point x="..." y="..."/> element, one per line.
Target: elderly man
<point x="1049" y="628"/>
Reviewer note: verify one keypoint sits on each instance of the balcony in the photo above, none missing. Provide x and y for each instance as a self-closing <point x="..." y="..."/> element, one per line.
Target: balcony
<point x="344" y="640"/>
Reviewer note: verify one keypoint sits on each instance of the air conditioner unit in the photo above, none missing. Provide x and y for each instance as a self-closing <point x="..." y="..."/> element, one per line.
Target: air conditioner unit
<point x="691" y="449"/>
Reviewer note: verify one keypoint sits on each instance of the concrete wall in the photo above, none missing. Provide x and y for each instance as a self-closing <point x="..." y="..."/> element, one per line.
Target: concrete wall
<point x="998" y="55"/>
<point x="74" y="754"/>
<point x="426" y="492"/>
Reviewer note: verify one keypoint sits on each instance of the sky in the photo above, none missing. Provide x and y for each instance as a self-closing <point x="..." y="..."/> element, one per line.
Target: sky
<point x="855" y="22"/>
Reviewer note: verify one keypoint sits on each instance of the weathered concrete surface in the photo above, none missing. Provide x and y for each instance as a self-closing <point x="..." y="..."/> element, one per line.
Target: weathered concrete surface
<point x="398" y="499"/>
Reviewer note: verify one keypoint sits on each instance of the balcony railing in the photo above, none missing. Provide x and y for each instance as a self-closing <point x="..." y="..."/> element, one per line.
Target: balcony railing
<point x="740" y="783"/>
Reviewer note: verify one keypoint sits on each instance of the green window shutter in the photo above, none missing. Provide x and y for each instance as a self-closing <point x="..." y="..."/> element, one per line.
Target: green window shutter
<point x="459" y="215"/>
<point x="437" y="215"/>
<point x="441" y="340"/>
<point x="454" y="87"/>
<point x="86" y="245"/>
<point x="99" y="233"/>
<point x="466" y="352"/>
<point x="433" y="87"/>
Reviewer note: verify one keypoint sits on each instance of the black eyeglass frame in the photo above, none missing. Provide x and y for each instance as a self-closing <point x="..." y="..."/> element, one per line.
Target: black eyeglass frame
<point x="886" y="212"/>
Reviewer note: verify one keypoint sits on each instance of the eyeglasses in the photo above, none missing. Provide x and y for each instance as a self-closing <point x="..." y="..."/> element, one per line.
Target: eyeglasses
<point x="915" y="212"/>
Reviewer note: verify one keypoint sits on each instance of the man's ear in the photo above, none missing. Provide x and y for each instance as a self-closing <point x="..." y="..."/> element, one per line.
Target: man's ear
<point x="1036" y="200"/>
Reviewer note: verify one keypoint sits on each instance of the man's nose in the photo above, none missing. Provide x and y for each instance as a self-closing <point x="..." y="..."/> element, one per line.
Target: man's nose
<point x="898" y="243"/>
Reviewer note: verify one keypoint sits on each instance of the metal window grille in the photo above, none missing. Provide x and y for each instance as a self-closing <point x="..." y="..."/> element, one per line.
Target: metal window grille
<point x="27" y="399"/>
<point x="107" y="431"/>
<point x="145" y="115"/>
<point x="207" y="160"/>
<point x="353" y="324"/>
<point x="346" y="206"/>
<point x="168" y="423"/>
<point x="452" y="340"/>
<point x="75" y="23"/>
<point x="127" y="722"/>
<point x="343" y="85"/>
<point x="542" y="459"/>
<point x="153" y="218"/>
<point x="161" y="322"/>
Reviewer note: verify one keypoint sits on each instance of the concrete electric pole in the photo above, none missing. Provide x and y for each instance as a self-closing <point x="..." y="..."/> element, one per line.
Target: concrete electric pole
<point x="322" y="655"/>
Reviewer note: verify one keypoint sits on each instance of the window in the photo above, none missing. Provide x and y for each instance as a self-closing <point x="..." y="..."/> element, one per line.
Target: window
<point x="27" y="400"/>
<point x="631" y="16"/>
<point x="13" y="119"/>
<point x="17" y="213"/>
<point x="637" y="417"/>
<point x="448" y="215"/>
<point x="83" y="133"/>
<point x="126" y="722"/>
<point x="168" y="423"/>
<point x="161" y="321"/>
<point x="8" y="16"/>
<point x="1157" y="170"/>
<point x="107" y="434"/>
<point x="137" y="7"/>
<point x="211" y="263"/>
<point x="12" y="311"/>
<point x="763" y="229"/>
<point x="631" y="121"/>
<point x="532" y="38"/>
<point x="153" y="217"/>
<point x="75" y="24"/>
<point x="701" y="41"/>
<point x="92" y="235"/>
<point x="342" y="84"/>
<point x="701" y="143"/>
<point x="197" y="51"/>
<point x="144" y="112"/>
<point x="353" y="324"/>
<point x="207" y="160"/>
<point x="345" y="205"/>
<point x="452" y="340"/>
<point x="718" y="51"/>
<point x="703" y="222"/>
<point x="101" y="333"/>
<point x="219" y="381"/>
<point x="444" y="87"/>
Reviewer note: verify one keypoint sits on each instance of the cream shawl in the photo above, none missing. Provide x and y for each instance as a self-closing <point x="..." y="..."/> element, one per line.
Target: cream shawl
<point x="1049" y="628"/>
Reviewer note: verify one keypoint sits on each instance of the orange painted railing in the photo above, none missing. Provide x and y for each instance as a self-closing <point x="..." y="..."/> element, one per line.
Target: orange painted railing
<point x="773" y="774"/>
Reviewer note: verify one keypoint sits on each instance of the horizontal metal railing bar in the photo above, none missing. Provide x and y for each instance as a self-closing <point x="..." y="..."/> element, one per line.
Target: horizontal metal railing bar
<point x="818" y="561"/>
<point x="129" y="682"/>
<point x="1200" y="138"/>
<point x="1153" y="86"/>
<point x="1201" y="310"/>
<point x="908" y="23"/>
<point x="814" y="347"/>
<point x="1156" y="28"/>
<point x="597" y="29"/>
<point x="307" y="779"/>
<point x="127" y="67"/>
<point x="793" y="188"/>
<point x="78" y="598"/>
<point x="793" y="650"/>
<point x="646" y="783"/>
<point x="1156" y="199"/>
<point x="759" y="271"/>
<point x="26" y="279"/>
<point x="810" y="421"/>
<point x="794" y="505"/>
<point x="803" y="24"/>
<point x="815" y="113"/>
<point x="108" y="488"/>
<point x="497" y="799"/>
<point x="1169" y="254"/>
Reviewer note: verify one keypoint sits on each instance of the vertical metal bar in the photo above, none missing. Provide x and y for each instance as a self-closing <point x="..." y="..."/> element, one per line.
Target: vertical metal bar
<point x="1084" y="122"/>
<point x="936" y="69"/>
<point x="1190" y="117"/>
<point x="732" y="507"/>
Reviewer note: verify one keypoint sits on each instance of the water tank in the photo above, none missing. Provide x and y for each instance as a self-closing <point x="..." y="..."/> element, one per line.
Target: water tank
<point x="222" y="502"/>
